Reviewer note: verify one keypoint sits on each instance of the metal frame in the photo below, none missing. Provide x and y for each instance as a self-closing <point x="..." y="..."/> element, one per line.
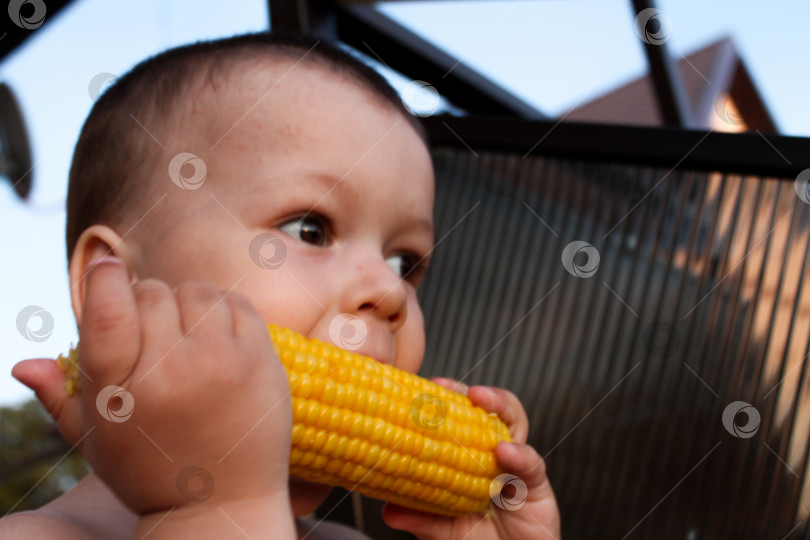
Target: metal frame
<point x="360" y="26"/>
<point x="374" y="34"/>
<point x="669" y="88"/>
<point x="13" y="36"/>
<point x="380" y="37"/>
<point x="400" y="49"/>
<point x="746" y="153"/>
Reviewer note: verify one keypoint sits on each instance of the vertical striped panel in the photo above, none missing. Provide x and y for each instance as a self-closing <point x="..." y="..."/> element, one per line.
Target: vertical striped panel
<point x="699" y="300"/>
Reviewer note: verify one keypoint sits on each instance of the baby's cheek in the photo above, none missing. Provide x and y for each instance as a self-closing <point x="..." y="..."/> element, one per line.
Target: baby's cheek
<point x="411" y="340"/>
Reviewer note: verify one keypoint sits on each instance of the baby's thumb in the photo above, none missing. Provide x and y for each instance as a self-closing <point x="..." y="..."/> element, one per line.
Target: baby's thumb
<point x="44" y="377"/>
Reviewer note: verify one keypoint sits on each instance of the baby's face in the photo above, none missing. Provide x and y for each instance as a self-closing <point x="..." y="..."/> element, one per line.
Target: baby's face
<point x="318" y="201"/>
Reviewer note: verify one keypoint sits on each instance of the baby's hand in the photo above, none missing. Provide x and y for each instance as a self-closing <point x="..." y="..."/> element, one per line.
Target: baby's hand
<point x="526" y="510"/>
<point x="183" y="404"/>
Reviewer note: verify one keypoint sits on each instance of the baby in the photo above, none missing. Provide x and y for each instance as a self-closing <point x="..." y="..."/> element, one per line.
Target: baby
<point x="215" y="188"/>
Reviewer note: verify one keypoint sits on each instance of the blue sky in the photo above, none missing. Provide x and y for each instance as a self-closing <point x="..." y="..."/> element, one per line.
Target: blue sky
<point x="553" y="54"/>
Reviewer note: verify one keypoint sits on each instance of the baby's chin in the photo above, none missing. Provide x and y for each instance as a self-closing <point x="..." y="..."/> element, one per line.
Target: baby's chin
<point x="306" y="496"/>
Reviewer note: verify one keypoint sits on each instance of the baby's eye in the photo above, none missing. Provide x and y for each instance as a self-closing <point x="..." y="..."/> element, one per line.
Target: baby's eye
<point x="310" y="229"/>
<point x="404" y="264"/>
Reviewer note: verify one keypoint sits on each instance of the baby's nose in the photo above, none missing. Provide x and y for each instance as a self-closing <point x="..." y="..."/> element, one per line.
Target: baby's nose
<point x="381" y="293"/>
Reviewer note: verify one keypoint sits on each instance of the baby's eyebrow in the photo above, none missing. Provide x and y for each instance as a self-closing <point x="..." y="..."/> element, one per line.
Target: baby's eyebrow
<point x="427" y="225"/>
<point x="332" y="183"/>
<point x="419" y="225"/>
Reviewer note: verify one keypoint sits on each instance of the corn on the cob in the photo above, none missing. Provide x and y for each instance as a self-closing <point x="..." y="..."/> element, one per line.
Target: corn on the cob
<point x="378" y="430"/>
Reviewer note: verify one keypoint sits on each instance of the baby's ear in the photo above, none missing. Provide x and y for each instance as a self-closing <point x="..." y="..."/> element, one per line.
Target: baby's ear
<point x="94" y="243"/>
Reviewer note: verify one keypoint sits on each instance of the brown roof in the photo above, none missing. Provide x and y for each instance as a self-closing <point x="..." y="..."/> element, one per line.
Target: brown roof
<point x="711" y="72"/>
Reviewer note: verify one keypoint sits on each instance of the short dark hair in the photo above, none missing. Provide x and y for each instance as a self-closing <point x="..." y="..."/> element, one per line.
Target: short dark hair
<point x="111" y="161"/>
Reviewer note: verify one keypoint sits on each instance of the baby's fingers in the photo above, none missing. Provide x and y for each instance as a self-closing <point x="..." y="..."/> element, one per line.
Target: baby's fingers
<point x="159" y="319"/>
<point x="420" y="524"/>
<point x="525" y="491"/>
<point x="109" y="333"/>
<point x="506" y="405"/>
<point x="451" y="384"/>
<point x="494" y="400"/>
<point x="44" y="377"/>
<point x="523" y="461"/>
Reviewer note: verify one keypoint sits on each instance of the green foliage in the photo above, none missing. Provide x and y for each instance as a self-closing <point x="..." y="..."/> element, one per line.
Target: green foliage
<point x="36" y="464"/>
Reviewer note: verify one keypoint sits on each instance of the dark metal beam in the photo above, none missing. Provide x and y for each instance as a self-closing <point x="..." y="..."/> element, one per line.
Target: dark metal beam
<point x="380" y="37"/>
<point x="746" y="153"/>
<point x="670" y="92"/>
<point x="311" y="17"/>
<point x="26" y="22"/>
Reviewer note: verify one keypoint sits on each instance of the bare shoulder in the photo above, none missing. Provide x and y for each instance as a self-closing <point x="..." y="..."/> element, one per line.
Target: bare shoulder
<point x="323" y="530"/>
<point x="89" y="510"/>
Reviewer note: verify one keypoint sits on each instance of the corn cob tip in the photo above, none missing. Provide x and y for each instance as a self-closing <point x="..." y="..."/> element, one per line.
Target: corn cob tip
<point x="70" y="365"/>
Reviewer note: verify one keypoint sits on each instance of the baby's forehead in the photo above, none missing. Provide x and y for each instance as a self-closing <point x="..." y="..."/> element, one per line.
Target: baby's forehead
<point x="277" y="77"/>
<point x="235" y="85"/>
<point x="285" y="95"/>
<point x="237" y="93"/>
<point x="241" y="109"/>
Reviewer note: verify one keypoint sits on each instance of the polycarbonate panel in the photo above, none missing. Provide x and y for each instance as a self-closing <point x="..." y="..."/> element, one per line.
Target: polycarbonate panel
<point x="654" y="323"/>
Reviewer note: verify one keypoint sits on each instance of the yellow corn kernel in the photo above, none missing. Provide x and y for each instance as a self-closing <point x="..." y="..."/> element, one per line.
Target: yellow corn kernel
<point x="378" y="430"/>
